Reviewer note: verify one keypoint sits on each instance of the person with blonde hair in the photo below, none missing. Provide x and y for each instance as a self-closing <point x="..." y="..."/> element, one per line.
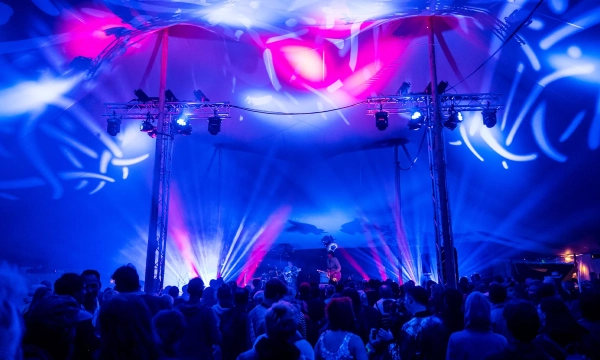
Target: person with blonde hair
<point x="282" y="340"/>
<point x="477" y="340"/>
<point x="339" y="343"/>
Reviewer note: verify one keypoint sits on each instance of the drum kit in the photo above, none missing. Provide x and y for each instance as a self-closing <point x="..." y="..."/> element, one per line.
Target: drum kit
<point x="271" y="274"/>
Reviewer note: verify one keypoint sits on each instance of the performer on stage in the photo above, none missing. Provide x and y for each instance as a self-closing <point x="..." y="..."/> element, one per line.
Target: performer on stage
<point x="290" y="274"/>
<point x="334" y="269"/>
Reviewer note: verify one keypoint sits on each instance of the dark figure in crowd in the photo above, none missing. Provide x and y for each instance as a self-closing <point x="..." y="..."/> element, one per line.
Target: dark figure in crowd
<point x="339" y="342"/>
<point x="51" y="328"/>
<point x="256" y="286"/>
<point x="71" y="284"/>
<point x="373" y="293"/>
<point x="386" y="295"/>
<point x="316" y="305"/>
<point x="225" y="298"/>
<point x="39" y="294"/>
<point x="367" y="318"/>
<point x="127" y="281"/>
<point x="561" y="335"/>
<point x="91" y="300"/>
<point x="477" y="340"/>
<point x="497" y="299"/>
<point x="590" y="312"/>
<point x="169" y="326"/>
<point x="452" y="315"/>
<point x="275" y="290"/>
<point x="202" y="338"/>
<point x="281" y="340"/>
<point x="47" y="284"/>
<point x="516" y="292"/>
<point x="547" y="289"/>
<point x="533" y="291"/>
<point x="209" y="297"/>
<point x="464" y="286"/>
<point x="422" y="337"/>
<point x="87" y="343"/>
<point x="523" y="323"/>
<point x="126" y="330"/>
<point x="234" y="327"/>
<point x="174" y="293"/>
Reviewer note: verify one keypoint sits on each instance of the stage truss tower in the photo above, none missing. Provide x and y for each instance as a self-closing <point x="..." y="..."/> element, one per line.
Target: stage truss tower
<point x="166" y="114"/>
<point x="434" y="105"/>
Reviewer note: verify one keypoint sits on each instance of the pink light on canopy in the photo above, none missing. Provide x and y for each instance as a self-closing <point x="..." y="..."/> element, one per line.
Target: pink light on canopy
<point x="85" y="29"/>
<point x="306" y="62"/>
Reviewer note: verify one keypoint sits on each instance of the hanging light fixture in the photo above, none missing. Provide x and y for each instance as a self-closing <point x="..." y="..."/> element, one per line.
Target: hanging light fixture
<point x="454" y="118"/>
<point x="416" y="119"/>
<point x="182" y="125"/>
<point x="381" y="120"/>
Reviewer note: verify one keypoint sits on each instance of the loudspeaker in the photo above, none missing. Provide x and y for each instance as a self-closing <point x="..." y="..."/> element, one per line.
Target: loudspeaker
<point x="426" y="263"/>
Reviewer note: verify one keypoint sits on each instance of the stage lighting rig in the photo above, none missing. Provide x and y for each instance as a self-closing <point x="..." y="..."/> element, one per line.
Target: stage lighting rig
<point x="182" y="125"/>
<point x="214" y="125"/>
<point x="416" y="119"/>
<point x="200" y="96"/>
<point x="148" y="127"/>
<point x="441" y="88"/>
<point x="141" y="96"/>
<point x="113" y="125"/>
<point x="489" y="116"/>
<point x="381" y="120"/>
<point x="403" y="90"/>
<point x="454" y="118"/>
<point x="170" y="97"/>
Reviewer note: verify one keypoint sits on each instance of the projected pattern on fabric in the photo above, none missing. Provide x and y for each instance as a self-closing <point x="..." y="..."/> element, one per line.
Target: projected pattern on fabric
<point x="319" y="58"/>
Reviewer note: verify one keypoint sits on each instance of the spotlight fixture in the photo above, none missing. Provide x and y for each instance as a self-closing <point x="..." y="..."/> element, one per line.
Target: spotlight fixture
<point x="441" y="88"/>
<point x="141" y="95"/>
<point x="214" y="125"/>
<point x="170" y="97"/>
<point x="381" y="120"/>
<point x="489" y="116"/>
<point x="454" y="117"/>
<point x="200" y="96"/>
<point x="403" y="90"/>
<point x="113" y="125"/>
<point x="148" y="127"/>
<point x="416" y="119"/>
<point x="182" y="125"/>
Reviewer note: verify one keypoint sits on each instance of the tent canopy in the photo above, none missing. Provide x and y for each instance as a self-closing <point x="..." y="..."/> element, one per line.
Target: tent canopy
<point x="74" y="197"/>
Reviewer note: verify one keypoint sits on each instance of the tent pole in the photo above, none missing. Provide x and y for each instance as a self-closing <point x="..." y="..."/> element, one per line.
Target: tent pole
<point x="157" y="230"/>
<point x="443" y="225"/>
<point x="400" y="223"/>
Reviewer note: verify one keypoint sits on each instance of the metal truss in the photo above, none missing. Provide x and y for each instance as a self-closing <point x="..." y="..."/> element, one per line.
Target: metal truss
<point x="408" y="103"/>
<point x="164" y="173"/>
<point x="140" y="110"/>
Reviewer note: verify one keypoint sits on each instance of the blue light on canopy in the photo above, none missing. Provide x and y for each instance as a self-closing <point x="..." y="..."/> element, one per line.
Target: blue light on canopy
<point x="535" y="191"/>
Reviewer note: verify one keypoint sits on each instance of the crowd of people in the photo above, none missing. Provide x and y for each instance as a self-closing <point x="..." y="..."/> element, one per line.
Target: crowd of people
<point x="497" y="319"/>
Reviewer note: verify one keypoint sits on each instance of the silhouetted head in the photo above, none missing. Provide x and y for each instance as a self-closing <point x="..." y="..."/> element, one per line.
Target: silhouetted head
<point x="71" y="284"/>
<point x="126" y="279"/>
